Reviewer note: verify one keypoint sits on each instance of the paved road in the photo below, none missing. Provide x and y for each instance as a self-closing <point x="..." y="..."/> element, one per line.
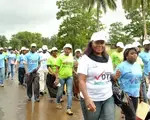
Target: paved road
<point x="14" y="106"/>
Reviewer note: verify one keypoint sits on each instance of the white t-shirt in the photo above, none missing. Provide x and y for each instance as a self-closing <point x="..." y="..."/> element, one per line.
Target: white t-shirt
<point x="99" y="86"/>
<point x="43" y="58"/>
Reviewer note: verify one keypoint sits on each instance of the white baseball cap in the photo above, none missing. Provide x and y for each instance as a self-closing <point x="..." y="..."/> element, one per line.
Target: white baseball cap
<point x="101" y="35"/>
<point x="78" y="50"/>
<point x="1" y="48"/>
<point x="146" y="42"/>
<point x="50" y="50"/>
<point x="27" y="49"/>
<point x="128" y="46"/>
<point x="136" y="44"/>
<point x="9" y="47"/>
<point x="68" y="46"/>
<point x="40" y="50"/>
<point x="33" y="45"/>
<point x="54" y="48"/>
<point x="23" y="48"/>
<point x="120" y="44"/>
<point x="44" y="47"/>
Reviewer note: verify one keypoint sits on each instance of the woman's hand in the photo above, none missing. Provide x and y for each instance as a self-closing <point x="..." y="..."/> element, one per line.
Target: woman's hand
<point x="90" y="104"/>
<point x="117" y="76"/>
<point x="56" y="81"/>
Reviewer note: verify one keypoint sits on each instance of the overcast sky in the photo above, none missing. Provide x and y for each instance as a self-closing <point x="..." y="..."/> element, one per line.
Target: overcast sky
<point x="39" y="16"/>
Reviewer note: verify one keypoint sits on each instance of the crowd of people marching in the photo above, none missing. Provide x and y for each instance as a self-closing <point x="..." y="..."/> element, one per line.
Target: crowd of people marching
<point x="89" y="76"/>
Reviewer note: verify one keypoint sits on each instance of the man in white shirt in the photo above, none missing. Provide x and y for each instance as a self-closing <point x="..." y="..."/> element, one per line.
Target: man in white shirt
<point x="43" y="69"/>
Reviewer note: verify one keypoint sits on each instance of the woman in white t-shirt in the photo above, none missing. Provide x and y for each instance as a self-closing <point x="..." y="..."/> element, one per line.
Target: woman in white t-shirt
<point x="95" y="70"/>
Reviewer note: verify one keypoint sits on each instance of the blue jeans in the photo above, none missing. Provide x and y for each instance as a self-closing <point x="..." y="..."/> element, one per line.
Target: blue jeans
<point x="2" y="75"/>
<point x="69" y="85"/>
<point x="11" y="69"/>
<point x="105" y="110"/>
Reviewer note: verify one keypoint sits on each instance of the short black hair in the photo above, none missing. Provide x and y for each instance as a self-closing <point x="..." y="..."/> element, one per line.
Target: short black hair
<point x="126" y="52"/>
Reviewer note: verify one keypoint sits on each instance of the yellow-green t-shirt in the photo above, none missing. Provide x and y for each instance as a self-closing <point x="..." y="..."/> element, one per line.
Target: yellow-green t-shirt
<point x="117" y="58"/>
<point x="65" y="64"/>
<point x="52" y="63"/>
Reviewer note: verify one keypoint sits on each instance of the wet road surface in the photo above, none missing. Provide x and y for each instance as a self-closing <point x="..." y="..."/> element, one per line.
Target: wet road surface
<point x="14" y="106"/>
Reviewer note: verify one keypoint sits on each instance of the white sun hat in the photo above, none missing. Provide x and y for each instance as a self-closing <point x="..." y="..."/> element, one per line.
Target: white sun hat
<point x="23" y="48"/>
<point x="54" y="48"/>
<point x="33" y="45"/>
<point x="68" y="46"/>
<point x="120" y="44"/>
<point x="146" y="42"/>
<point x="101" y="35"/>
<point x="44" y="47"/>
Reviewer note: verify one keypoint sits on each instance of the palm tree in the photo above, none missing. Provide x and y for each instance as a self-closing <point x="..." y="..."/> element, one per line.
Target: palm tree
<point x="134" y="4"/>
<point x="100" y="4"/>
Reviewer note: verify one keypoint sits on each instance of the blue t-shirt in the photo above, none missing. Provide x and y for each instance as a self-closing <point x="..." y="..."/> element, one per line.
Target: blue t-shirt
<point x="11" y="58"/>
<point x="130" y="79"/>
<point x="32" y="60"/>
<point x="21" y="59"/>
<point x="2" y="60"/>
<point x="145" y="56"/>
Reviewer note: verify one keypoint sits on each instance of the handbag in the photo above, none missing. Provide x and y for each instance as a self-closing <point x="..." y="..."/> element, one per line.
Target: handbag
<point x="119" y="95"/>
<point x="52" y="88"/>
<point x="123" y="101"/>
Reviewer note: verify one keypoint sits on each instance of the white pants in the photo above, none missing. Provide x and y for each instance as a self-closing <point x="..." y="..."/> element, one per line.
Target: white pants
<point x="43" y="76"/>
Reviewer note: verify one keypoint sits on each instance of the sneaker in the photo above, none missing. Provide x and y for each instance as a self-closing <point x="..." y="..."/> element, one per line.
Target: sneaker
<point x="2" y="85"/>
<point x="52" y="99"/>
<point x="37" y="99"/>
<point x="29" y="99"/>
<point x="41" y="93"/>
<point x="61" y="100"/>
<point x="69" y="112"/>
<point x="59" y="106"/>
<point x="45" y="92"/>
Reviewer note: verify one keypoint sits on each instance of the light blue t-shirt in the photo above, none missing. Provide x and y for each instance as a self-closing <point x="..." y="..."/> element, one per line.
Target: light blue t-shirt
<point x="11" y="58"/>
<point x="21" y="59"/>
<point x="145" y="56"/>
<point x="2" y="60"/>
<point x="130" y="79"/>
<point x="32" y="60"/>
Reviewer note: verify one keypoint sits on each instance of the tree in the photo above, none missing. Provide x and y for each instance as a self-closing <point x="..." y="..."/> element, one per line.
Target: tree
<point x="117" y="34"/>
<point x="135" y="28"/>
<point x="50" y="42"/>
<point x="25" y="39"/>
<point x="15" y="43"/>
<point x="77" y="26"/>
<point x="3" y="41"/>
<point x="101" y="4"/>
<point x="134" y="4"/>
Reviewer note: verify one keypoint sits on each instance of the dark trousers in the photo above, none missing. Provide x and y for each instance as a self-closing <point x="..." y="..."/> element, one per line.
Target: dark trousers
<point x="134" y="104"/>
<point x="21" y="73"/>
<point x="32" y="81"/>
